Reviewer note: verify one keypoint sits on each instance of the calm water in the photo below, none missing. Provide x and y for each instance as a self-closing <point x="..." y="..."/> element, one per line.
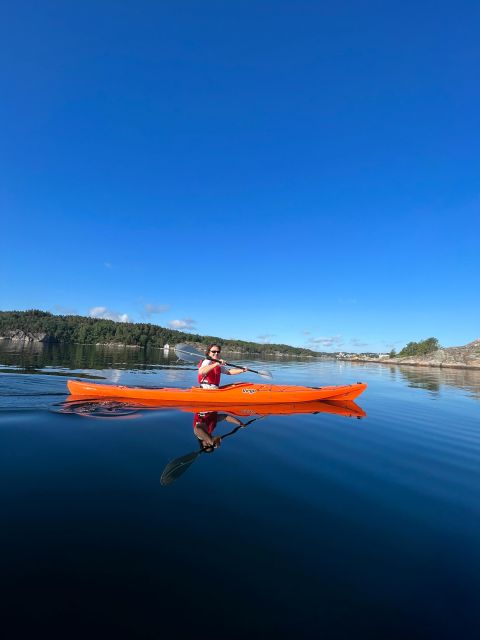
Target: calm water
<point x="316" y="525"/>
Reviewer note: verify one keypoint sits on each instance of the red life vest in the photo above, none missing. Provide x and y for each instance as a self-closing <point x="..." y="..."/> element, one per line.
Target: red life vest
<point x="212" y="377"/>
<point x="209" y="419"/>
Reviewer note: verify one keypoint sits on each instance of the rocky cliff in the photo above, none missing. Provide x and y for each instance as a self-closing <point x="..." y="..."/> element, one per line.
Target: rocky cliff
<point x="27" y="336"/>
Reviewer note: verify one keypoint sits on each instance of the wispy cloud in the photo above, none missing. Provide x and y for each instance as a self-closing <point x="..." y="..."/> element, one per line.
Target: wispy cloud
<point x="358" y="343"/>
<point x="107" y="314"/>
<point x="187" y="324"/>
<point x="107" y="265"/>
<point x="266" y="337"/>
<point x="394" y="344"/>
<point x="64" y="311"/>
<point x="326" y="341"/>
<point x="152" y="309"/>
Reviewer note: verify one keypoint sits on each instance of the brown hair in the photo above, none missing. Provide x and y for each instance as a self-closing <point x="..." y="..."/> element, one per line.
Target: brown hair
<point x="211" y="346"/>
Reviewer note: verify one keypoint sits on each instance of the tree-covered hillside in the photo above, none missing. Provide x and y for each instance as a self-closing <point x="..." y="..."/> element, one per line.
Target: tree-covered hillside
<point x="421" y="348"/>
<point x="83" y="330"/>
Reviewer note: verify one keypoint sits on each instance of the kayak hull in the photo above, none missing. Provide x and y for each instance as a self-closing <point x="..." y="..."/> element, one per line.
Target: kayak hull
<point x="243" y="393"/>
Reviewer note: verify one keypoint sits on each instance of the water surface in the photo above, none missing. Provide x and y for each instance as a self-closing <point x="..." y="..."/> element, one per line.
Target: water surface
<point x="307" y="524"/>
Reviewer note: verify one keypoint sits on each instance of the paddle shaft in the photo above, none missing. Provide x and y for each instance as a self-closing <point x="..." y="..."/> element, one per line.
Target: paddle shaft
<point x="233" y="365"/>
<point x="184" y="350"/>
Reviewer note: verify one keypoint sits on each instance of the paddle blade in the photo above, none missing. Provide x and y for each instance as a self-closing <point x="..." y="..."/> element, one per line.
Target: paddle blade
<point x="188" y="353"/>
<point x="265" y="374"/>
<point x="177" y="467"/>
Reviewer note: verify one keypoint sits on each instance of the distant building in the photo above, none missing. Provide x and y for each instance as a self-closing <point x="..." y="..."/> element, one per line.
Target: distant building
<point x="166" y="347"/>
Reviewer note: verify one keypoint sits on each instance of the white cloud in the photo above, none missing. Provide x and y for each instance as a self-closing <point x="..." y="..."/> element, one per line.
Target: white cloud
<point x="187" y="324"/>
<point x="107" y="265"/>
<point x="107" y="314"/>
<point x="151" y="309"/>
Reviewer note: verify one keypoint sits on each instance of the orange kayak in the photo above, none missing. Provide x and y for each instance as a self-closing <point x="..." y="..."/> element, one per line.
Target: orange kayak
<point x="244" y="393"/>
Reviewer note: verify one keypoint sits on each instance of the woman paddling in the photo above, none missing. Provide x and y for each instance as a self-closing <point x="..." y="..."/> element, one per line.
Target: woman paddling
<point x="211" y="368"/>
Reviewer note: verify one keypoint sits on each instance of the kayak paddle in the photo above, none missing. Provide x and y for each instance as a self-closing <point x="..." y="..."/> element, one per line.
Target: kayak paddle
<point x="177" y="467"/>
<point x="190" y="354"/>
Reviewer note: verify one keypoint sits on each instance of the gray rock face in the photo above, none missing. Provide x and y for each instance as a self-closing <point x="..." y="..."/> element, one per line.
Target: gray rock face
<point x="27" y="336"/>
<point x="467" y="357"/>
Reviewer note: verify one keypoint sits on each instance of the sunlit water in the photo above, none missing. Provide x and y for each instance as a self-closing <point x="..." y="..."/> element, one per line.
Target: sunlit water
<point x="313" y="525"/>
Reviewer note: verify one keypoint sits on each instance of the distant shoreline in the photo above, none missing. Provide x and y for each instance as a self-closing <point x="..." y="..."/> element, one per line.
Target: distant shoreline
<point x="27" y="340"/>
<point x="410" y="363"/>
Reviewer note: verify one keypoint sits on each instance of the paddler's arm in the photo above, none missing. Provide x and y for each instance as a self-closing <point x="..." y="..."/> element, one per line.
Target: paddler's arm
<point x="205" y="437"/>
<point x="235" y="371"/>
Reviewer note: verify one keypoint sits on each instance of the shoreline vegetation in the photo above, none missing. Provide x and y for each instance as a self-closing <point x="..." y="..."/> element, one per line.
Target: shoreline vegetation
<point x="42" y="326"/>
<point x="35" y="326"/>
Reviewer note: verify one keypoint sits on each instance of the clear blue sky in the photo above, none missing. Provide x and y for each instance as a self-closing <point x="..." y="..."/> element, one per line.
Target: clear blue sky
<point x="298" y="172"/>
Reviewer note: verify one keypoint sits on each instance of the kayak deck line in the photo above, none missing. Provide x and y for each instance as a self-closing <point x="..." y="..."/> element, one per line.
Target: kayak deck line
<point x="239" y="393"/>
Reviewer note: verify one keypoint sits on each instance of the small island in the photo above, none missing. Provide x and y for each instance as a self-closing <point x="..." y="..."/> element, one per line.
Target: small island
<point x="426" y="353"/>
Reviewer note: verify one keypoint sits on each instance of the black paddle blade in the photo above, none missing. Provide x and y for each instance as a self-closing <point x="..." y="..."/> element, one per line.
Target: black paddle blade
<point x="177" y="467"/>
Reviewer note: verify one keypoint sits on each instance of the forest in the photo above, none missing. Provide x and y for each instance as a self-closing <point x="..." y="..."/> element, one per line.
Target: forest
<point x="85" y="330"/>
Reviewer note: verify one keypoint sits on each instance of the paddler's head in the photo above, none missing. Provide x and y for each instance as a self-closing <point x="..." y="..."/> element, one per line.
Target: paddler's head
<point x="213" y="351"/>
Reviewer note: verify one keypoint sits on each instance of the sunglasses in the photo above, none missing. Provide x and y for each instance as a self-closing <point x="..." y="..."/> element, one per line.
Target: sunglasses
<point x="213" y="351"/>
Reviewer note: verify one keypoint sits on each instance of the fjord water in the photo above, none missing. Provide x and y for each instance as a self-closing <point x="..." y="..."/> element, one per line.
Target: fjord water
<point x="316" y="525"/>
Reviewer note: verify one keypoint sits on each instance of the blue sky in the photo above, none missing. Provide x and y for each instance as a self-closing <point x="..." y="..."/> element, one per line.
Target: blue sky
<point x="297" y="172"/>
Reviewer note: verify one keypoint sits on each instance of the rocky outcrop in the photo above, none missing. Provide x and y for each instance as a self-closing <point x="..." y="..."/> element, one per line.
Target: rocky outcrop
<point x="27" y="336"/>
<point x="467" y="357"/>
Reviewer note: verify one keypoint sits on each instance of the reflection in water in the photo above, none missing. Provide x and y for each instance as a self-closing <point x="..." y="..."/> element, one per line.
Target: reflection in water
<point x="205" y="420"/>
<point x="104" y="408"/>
<point x="429" y="378"/>
<point x="204" y="425"/>
<point x="36" y="355"/>
<point x="86" y="406"/>
<point x="433" y="379"/>
<point x="418" y="380"/>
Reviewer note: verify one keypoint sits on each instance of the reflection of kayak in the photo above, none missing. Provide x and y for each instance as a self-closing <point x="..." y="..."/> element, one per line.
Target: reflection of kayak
<point x="346" y="408"/>
<point x="244" y="393"/>
<point x="106" y="407"/>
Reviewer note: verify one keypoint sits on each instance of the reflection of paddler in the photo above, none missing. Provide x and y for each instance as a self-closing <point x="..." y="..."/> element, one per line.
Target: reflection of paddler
<point x="205" y="423"/>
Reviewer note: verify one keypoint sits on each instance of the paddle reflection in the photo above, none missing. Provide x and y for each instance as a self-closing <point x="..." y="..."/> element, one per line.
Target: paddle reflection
<point x="204" y="425"/>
